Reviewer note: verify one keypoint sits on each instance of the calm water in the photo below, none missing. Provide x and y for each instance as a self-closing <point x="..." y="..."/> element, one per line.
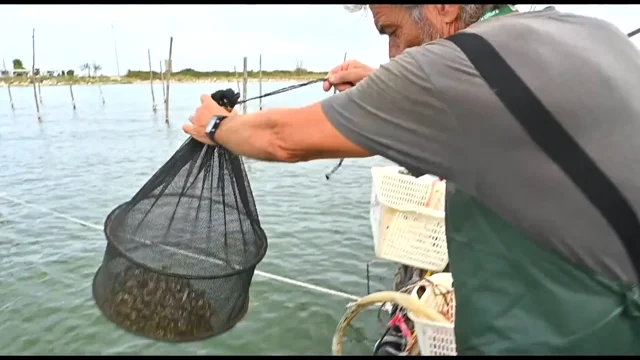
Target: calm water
<point x="85" y="163"/>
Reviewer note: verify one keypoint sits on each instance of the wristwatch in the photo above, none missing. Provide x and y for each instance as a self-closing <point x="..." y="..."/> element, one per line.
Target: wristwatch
<point x="212" y="126"/>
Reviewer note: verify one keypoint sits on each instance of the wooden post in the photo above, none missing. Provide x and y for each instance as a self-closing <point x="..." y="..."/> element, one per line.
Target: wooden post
<point x="164" y="95"/>
<point x="153" y="96"/>
<point x="40" y="88"/>
<point x="260" y="83"/>
<point x="101" y="95"/>
<point x="95" y="74"/>
<point x="73" y="99"/>
<point x="236" y="77"/>
<point x="13" y="107"/>
<point x="245" y="80"/>
<point x="169" y="70"/>
<point x="33" y="70"/>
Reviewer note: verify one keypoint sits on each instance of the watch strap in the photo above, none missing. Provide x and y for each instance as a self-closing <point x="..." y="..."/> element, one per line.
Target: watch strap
<point x="213" y="125"/>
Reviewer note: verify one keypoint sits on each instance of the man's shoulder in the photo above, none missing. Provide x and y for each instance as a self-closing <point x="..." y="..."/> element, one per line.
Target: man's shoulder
<point x="525" y="28"/>
<point x="543" y="25"/>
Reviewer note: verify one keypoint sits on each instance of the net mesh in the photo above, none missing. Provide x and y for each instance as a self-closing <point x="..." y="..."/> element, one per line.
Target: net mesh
<point x="181" y="253"/>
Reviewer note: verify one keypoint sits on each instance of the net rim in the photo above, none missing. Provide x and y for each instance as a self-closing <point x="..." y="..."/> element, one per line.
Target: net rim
<point x="251" y="267"/>
<point x="223" y="330"/>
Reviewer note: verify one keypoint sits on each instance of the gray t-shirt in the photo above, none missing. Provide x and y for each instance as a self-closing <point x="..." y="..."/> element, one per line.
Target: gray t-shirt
<point x="430" y="111"/>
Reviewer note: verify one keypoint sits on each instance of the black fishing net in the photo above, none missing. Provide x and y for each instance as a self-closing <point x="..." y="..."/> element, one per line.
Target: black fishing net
<point x="181" y="253"/>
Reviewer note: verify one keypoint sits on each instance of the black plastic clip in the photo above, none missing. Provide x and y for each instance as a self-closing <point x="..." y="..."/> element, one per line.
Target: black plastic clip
<point x="228" y="98"/>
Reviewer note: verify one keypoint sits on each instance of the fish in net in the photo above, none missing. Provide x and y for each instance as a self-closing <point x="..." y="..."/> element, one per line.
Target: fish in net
<point x="182" y="252"/>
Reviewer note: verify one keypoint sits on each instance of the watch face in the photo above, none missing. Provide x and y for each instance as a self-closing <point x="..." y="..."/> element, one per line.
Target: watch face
<point x="211" y="123"/>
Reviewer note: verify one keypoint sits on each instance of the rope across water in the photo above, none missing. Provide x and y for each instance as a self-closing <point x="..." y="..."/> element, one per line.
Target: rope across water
<point x="267" y="275"/>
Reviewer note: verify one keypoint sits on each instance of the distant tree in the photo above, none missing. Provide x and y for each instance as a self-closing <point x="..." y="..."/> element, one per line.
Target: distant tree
<point x="86" y="67"/>
<point x="299" y="70"/>
<point x="61" y="73"/>
<point x="17" y="64"/>
<point x="71" y="73"/>
<point x="36" y="72"/>
<point x="95" y="67"/>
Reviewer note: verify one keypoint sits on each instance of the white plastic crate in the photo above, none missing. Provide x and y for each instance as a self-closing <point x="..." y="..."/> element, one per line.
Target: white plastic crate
<point x="436" y="338"/>
<point x="407" y="218"/>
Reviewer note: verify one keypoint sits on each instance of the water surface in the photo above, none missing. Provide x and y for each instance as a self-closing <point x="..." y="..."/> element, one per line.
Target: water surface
<point x="85" y="163"/>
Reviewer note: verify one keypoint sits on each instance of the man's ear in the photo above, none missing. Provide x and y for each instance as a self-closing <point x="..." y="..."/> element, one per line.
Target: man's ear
<point x="449" y="12"/>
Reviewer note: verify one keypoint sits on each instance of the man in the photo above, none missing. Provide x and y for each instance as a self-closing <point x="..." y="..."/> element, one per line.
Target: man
<point x="542" y="262"/>
<point x="415" y="32"/>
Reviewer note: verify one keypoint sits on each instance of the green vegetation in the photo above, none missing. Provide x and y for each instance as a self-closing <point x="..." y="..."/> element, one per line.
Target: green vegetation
<point x="63" y="80"/>
<point x="134" y="76"/>
<point x="17" y="64"/>
<point x="90" y="72"/>
<point x="187" y="75"/>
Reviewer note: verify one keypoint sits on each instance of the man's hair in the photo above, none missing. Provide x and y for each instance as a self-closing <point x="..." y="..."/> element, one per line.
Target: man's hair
<point x="469" y="14"/>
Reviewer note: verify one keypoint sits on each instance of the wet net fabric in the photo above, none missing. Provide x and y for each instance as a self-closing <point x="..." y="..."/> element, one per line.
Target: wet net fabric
<point x="181" y="253"/>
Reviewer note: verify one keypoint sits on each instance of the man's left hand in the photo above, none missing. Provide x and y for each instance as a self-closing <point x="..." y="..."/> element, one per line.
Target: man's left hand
<point x="199" y="120"/>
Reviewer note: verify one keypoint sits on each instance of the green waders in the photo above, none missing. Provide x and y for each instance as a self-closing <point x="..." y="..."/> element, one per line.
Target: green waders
<point x="512" y="297"/>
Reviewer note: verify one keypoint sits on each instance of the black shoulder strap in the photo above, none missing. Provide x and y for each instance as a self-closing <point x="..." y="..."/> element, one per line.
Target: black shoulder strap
<point x="545" y="130"/>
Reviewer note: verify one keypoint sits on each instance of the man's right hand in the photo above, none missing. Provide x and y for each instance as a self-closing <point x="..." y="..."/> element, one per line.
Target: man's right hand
<point x="346" y="75"/>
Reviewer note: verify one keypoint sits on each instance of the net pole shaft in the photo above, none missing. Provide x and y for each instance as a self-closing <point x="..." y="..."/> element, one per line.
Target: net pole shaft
<point x="169" y="68"/>
<point x="260" y="82"/>
<point x="245" y="80"/>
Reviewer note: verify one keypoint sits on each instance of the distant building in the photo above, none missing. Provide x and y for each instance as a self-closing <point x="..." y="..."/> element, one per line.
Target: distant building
<point x="20" y="72"/>
<point x="26" y="73"/>
<point x="52" y="73"/>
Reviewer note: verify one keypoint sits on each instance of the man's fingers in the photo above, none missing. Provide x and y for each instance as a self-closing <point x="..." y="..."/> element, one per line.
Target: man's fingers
<point x="188" y="128"/>
<point x="345" y="75"/>
<point x="351" y="64"/>
<point x="204" y="98"/>
<point x="326" y="86"/>
<point x="343" y="87"/>
<point x="352" y="76"/>
<point x="336" y="69"/>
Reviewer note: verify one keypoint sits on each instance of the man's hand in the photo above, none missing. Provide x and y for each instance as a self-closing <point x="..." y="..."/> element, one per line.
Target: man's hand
<point x="346" y="75"/>
<point x="199" y="120"/>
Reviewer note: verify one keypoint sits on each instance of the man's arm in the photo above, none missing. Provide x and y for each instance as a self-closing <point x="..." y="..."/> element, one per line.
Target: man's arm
<point x="395" y="112"/>
<point x="288" y="135"/>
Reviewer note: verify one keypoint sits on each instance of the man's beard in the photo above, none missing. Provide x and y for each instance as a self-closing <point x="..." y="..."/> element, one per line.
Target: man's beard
<point x="428" y="32"/>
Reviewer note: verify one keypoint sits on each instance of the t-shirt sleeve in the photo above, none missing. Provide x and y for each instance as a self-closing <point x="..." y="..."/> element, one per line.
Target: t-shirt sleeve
<point x="396" y="113"/>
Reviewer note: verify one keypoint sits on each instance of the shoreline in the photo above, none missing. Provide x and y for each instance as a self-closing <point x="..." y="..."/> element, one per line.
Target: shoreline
<point x="128" y="81"/>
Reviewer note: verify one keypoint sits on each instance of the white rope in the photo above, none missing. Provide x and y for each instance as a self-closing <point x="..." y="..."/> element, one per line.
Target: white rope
<point x="261" y="273"/>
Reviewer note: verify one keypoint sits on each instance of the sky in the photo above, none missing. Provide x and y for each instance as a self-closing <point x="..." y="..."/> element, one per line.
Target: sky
<point x="212" y="37"/>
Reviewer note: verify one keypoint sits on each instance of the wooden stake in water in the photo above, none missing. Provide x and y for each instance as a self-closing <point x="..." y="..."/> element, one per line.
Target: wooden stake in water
<point x="153" y="96"/>
<point x="40" y="88"/>
<point x="13" y="108"/>
<point x="169" y="70"/>
<point x="95" y="67"/>
<point x="164" y="95"/>
<point x="245" y="80"/>
<point x="33" y="71"/>
<point x="236" y="77"/>
<point x="101" y="95"/>
<point x="73" y="99"/>
<point x="260" y="83"/>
